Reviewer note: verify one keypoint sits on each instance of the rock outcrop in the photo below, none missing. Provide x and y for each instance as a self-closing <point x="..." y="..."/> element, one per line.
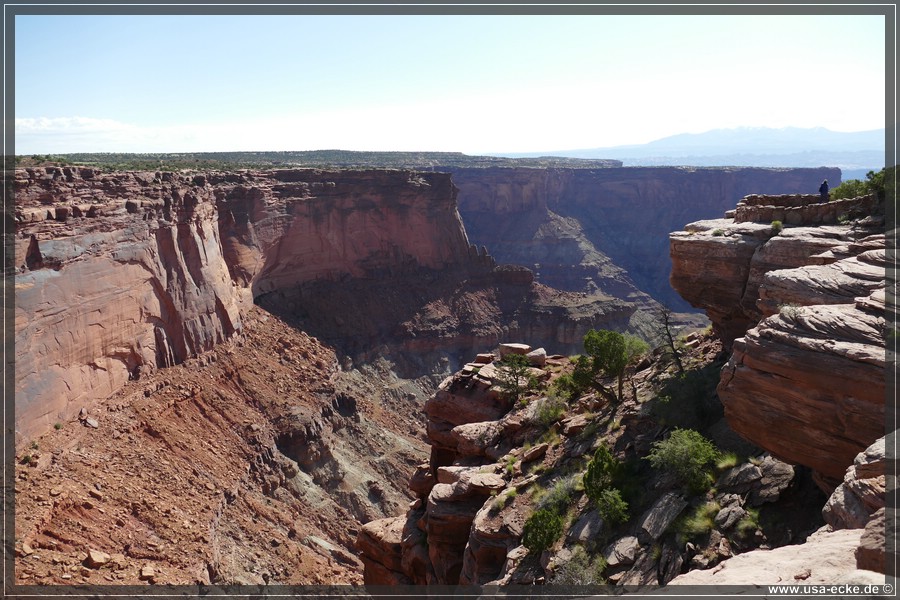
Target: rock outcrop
<point x="496" y="462"/>
<point x="862" y="492"/>
<point x="803" y="308"/>
<point x="827" y="557"/>
<point x="470" y="427"/>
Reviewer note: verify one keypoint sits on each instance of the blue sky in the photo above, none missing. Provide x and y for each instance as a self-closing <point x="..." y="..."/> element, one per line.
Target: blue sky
<point x="473" y="84"/>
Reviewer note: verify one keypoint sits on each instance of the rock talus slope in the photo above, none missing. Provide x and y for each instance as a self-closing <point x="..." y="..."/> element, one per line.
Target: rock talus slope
<point x="252" y="463"/>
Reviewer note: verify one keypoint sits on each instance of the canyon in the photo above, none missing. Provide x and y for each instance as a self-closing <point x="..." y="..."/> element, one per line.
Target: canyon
<point x="296" y="338"/>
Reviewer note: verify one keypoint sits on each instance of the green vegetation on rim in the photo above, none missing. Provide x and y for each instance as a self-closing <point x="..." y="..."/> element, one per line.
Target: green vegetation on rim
<point x="875" y="183"/>
<point x="174" y="161"/>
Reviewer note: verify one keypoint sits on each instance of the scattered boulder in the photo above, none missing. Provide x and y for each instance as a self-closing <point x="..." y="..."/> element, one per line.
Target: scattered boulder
<point x="862" y="493"/>
<point x="507" y="349"/>
<point x="776" y="476"/>
<point x="484" y="359"/>
<point x="658" y="517"/>
<point x="588" y="527"/>
<point x="96" y="559"/>
<point x="537" y="358"/>
<point x="535" y="452"/>
<point x="763" y="482"/>
<point x="729" y="516"/>
<point x="622" y="551"/>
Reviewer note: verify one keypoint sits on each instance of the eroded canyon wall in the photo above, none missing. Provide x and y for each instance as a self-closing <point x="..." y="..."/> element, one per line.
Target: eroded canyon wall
<point x="120" y="273"/>
<point x="607" y="228"/>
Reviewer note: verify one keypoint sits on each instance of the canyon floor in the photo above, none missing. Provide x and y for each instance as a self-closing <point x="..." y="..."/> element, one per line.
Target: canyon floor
<point x="182" y="479"/>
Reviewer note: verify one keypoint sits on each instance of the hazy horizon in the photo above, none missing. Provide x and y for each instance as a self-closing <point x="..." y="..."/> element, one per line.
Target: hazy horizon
<point x="469" y="84"/>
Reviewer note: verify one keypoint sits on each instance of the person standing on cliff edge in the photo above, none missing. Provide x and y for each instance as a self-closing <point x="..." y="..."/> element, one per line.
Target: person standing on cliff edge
<point x="823" y="191"/>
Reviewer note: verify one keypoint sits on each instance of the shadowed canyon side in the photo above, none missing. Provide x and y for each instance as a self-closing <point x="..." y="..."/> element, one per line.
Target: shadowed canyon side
<point x="586" y="228"/>
<point x="803" y="309"/>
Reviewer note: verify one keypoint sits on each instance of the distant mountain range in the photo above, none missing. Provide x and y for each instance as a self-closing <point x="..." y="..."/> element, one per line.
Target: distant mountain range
<point x="854" y="153"/>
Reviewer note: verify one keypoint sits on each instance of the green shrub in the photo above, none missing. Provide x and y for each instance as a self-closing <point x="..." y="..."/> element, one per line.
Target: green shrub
<point x="727" y="460"/>
<point x="688" y="455"/>
<point x="566" y="387"/>
<point x="635" y="347"/>
<point x="581" y="569"/>
<point x="749" y="523"/>
<point x="602" y="472"/>
<point x="549" y="410"/>
<point x="852" y="188"/>
<point x="699" y="522"/>
<point x="513" y="379"/>
<point x="559" y="497"/>
<point x="874" y="184"/>
<point x="612" y="508"/>
<point x="503" y="499"/>
<point x="607" y="356"/>
<point x="777" y="226"/>
<point x="57" y="426"/>
<point x="541" y="530"/>
<point x="718" y="232"/>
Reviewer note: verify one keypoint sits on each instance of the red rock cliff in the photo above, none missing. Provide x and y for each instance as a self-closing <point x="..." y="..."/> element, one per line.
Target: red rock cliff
<point x="803" y="308"/>
<point x="120" y="273"/>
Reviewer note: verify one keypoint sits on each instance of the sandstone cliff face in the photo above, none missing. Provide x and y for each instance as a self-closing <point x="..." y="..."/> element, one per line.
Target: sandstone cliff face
<point x="123" y="273"/>
<point x="606" y="228"/>
<point x="803" y="309"/>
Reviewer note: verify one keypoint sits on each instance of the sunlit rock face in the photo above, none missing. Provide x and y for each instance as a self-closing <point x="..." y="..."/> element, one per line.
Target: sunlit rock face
<point x="803" y="310"/>
<point x="118" y="274"/>
<point x="121" y="273"/>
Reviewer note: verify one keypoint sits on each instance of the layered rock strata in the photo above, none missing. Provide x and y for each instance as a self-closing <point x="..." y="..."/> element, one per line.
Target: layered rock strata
<point x="803" y="309"/>
<point x="123" y="273"/>
<point x="587" y="228"/>
<point x="470" y="427"/>
<point x="861" y="494"/>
